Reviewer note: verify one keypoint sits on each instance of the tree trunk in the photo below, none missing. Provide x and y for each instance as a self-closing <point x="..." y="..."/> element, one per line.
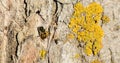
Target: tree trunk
<point x="35" y="31"/>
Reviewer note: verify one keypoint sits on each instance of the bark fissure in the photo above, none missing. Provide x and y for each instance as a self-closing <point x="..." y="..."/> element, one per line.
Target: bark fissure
<point x="20" y="20"/>
<point x="111" y="54"/>
<point x="16" y="45"/>
<point x="56" y="6"/>
<point x="25" y="2"/>
<point x="11" y="50"/>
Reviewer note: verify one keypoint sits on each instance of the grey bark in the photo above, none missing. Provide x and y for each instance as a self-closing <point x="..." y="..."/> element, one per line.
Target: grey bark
<point x="20" y="41"/>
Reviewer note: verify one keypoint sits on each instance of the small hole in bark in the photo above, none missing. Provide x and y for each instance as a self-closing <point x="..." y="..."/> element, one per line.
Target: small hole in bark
<point x="6" y="28"/>
<point x="56" y="41"/>
<point x="38" y="12"/>
<point x="11" y="57"/>
<point x="25" y="20"/>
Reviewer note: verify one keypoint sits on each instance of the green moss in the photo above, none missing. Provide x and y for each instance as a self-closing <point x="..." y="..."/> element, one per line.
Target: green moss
<point x="85" y="25"/>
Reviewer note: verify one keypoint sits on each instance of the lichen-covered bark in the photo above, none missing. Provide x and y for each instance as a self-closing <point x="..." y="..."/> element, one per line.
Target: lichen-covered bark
<point x="20" y="41"/>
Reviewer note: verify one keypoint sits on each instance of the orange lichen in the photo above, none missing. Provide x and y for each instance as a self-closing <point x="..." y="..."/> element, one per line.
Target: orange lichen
<point x="85" y="25"/>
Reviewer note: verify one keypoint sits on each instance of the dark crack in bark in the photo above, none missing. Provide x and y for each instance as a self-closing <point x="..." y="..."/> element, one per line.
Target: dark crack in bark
<point x="25" y="7"/>
<point x="113" y="15"/>
<point x="16" y="45"/>
<point x="48" y="57"/>
<point x="111" y="54"/>
<point x="51" y="39"/>
<point x="61" y="5"/>
<point x="53" y="26"/>
<point x="11" y="45"/>
<point x="27" y="12"/>
<point x="56" y="6"/>
<point x="38" y="12"/>
<point x="57" y="2"/>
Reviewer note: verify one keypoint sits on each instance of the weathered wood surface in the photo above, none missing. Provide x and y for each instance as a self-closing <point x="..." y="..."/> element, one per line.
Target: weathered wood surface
<point x="20" y="41"/>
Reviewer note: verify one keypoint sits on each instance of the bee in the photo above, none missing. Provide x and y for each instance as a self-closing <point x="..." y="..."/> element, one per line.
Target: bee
<point x="42" y="33"/>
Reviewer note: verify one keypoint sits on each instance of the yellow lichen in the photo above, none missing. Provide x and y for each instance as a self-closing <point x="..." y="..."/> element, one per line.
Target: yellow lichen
<point x="42" y="54"/>
<point x="88" y="50"/>
<point x="85" y="25"/>
<point x="77" y="56"/>
<point x="70" y="36"/>
<point x="105" y="19"/>
<point x="96" y="61"/>
<point x="97" y="46"/>
<point x="79" y="8"/>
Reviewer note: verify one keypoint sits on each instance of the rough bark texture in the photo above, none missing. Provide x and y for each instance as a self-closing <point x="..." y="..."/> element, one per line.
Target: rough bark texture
<point x="20" y="41"/>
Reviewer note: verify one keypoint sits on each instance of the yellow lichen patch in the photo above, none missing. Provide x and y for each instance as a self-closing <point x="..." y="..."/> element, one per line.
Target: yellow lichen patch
<point x="42" y="54"/>
<point x="97" y="46"/>
<point x="77" y="56"/>
<point x="79" y="8"/>
<point x="94" y="9"/>
<point x="85" y="25"/>
<point x="105" y="19"/>
<point x="88" y="50"/>
<point x="96" y="61"/>
<point x="70" y="36"/>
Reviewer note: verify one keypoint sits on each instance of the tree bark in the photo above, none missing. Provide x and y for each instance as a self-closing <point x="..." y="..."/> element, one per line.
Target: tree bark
<point x="21" y="40"/>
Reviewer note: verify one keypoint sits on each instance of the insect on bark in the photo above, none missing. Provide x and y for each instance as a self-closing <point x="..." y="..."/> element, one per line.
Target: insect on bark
<point x="42" y="32"/>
